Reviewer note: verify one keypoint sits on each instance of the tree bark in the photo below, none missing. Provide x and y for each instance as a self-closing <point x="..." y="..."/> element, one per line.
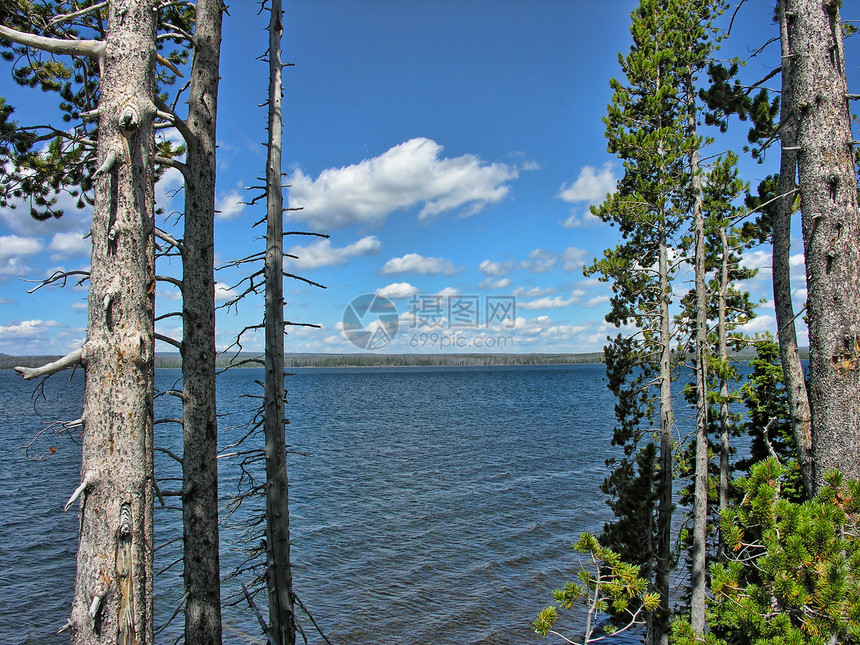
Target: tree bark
<point x="663" y="556"/>
<point x="831" y="232"/>
<point x="795" y="380"/>
<point x="199" y="422"/>
<point x="722" y="340"/>
<point x="282" y="629"/>
<point x="700" y="487"/>
<point x="113" y="591"/>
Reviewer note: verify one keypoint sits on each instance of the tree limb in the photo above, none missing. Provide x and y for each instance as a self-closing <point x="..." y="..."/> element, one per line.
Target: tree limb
<point x="92" y="48"/>
<point x="72" y="359"/>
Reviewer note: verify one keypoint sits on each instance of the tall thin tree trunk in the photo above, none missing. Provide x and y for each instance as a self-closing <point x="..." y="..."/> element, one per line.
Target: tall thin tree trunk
<point x="831" y="231"/>
<point x="282" y="629"/>
<point x="722" y="333"/>
<point x="700" y="489"/>
<point x="795" y="381"/>
<point x="113" y="590"/>
<point x="199" y="422"/>
<point x="660" y="634"/>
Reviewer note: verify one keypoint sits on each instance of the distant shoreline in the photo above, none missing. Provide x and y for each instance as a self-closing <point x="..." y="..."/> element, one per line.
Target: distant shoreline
<point x="164" y="361"/>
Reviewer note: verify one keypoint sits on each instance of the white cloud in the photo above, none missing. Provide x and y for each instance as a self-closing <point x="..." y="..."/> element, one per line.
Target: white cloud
<point x="25" y="330"/>
<point x="759" y="259"/>
<point x="397" y="290"/>
<point x="14" y="247"/>
<point x="405" y="176"/>
<point x="321" y="253"/>
<point x="591" y="186"/>
<point x="548" y="303"/>
<point x="554" y="303"/>
<point x="759" y="324"/>
<point x="69" y="245"/>
<point x="495" y="268"/>
<point x="223" y="292"/>
<point x="168" y="187"/>
<point x="534" y="292"/>
<point x="597" y="301"/>
<point x="491" y="283"/>
<point x="581" y="220"/>
<point x="229" y="206"/>
<point x="541" y="261"/>
<point x="447" y="292"/>
<point x="415" y="263"/>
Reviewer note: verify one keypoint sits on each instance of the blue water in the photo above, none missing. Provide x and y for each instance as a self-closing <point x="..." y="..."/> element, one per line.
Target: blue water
<point x="429" y="505"/>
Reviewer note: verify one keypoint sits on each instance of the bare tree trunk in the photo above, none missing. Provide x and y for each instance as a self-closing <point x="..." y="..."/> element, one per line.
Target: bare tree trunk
<point x="199" y="422"/>
<point x="795" y="381"/>
<point x="700" y="488"/>
<point x="282" y="629"/>
<point x="113" y="592"/>
<point x="663" y="558"/>
<point x="831" y="232"/>
<point x="722" y="333"/>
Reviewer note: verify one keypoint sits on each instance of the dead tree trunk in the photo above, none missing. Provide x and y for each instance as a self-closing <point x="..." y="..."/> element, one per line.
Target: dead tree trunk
<point x="113" y="592"/>
<point x="700" y="488"/>
<point x="660" y="633"/>
<point x="795" y="380"/>
<point x="831" y="231"/>
<point x="282" y="626"/>
<point x="200" y="428"/>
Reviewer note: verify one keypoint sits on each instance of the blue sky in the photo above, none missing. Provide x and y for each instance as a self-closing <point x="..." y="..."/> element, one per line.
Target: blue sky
<point x="450" y="149"/>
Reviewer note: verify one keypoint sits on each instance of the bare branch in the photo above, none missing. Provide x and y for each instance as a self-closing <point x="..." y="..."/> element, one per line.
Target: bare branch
<point x="91" y="48"/>
<point x="169" y="341"/>
<point x="167" y="237"/>
<point x="73" y="359"/>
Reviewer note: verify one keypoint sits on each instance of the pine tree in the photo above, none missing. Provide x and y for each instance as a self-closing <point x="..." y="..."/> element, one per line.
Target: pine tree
<point x="646" y="127"/>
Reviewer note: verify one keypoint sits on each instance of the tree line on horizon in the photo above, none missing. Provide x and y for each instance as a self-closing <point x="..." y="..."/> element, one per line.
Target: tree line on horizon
<point x="683" y="215"/>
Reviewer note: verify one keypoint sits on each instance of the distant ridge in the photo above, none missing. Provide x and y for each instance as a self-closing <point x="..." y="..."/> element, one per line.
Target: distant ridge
<point x="172" y="360"/>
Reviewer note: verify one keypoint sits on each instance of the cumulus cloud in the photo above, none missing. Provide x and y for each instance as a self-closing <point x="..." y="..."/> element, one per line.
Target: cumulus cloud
<point x="591" y="186"/>
<point x="534" y="292"/>
<point x="542" y="261"/>
<point x="25" y="329"/>
<point x="69" y="245"/>
<point x="223" y="292"/>
<point x="495" y="268"/>
<point x="581" y="220"/>
<point x="495" y="283"/>
<point x="13" y="246"/>
<point x="407" y="175"/>
<point x="397" y="290"/>
<point x="554" y="303"/>
<point x="415" y="263"/>
<point x="758" y="325"/>
<point x="229" y="206"/>
<point x="321" y="253"/>
<point x="596" y="301"/>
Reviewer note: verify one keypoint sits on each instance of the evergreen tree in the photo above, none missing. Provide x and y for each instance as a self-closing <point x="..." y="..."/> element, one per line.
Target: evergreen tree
<point x="647" y="127"/>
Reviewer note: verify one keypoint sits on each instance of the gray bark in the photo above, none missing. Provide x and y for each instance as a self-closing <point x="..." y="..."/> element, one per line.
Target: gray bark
<point x="831" y="232"/>
<point x="115" y="549"/>
<point x="722" y="334"/>
<point x="282" y="628"/>
<point x="795" y="380"/>
<point x="199" y="422"/>
<point x="663" y="556"/>
<point x="700" y="487"/>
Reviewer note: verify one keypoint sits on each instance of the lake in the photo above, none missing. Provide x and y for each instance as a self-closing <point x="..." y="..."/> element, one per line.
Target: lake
<point x="428" y="505"/>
